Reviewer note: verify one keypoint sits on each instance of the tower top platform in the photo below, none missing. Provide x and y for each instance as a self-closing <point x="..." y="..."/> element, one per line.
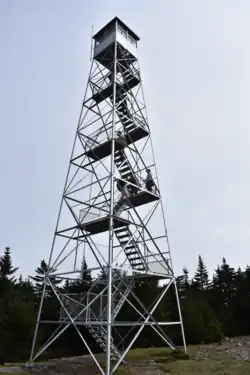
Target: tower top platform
<point x="111" y="25"/>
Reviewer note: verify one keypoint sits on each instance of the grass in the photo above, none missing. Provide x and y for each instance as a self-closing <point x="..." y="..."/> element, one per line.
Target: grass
<point x="212" y="362"/>
<point x="180" y="363"/>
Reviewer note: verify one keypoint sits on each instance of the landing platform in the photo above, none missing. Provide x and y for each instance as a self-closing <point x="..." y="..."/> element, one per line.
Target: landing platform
<point x="142" y="198"/>
<point x="104" y="149"/>
<point x="102" y="224"/>
<point x="107" y="92"/>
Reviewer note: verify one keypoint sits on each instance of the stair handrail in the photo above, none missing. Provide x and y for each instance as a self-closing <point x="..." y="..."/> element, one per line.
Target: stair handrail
<point x="102" y="83"/>
<point x="139" y="120"/>
<point x="93" y="137"/>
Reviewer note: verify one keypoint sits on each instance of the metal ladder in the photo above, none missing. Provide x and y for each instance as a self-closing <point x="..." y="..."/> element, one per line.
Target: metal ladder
<point x="132" y="251"/>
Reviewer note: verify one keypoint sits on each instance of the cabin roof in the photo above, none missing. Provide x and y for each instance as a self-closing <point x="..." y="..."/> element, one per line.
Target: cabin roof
<point x="121" y="23"/>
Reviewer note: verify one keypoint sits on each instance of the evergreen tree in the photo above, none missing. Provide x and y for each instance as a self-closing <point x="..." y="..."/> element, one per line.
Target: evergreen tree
<point x="41" y="272"/>
<point x="201" y="276"/>
<point x="25" y="288"/>
<point x="85" y="272"/>
<point x="83" y="282"/>
<point x="103" y="275"/>
<point x="200" y="320"/>
<point x="224" y="281"/>
<point x="183" y="283"/>
<point x="17" y="321"/>
<point x="7" y="270"/>
<point x="240" y="301"/>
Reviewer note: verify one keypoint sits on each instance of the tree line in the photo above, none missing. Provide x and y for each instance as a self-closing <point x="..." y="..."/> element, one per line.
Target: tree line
<point x="211" y="309"/>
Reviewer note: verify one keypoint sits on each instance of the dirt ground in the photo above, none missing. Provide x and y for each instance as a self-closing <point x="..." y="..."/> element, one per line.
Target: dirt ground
<point x="231" y="357"/>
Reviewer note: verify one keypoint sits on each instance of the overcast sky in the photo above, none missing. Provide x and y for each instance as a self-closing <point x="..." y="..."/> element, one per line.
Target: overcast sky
<point x="195" y="59"/>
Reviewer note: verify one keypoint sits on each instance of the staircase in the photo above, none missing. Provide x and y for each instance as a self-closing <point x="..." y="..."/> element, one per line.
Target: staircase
<point x="124" y="167"/>
<point x="99" y="333"/>
<point x="124" y="114"/>
<point x="126" y="172"/>
<point x="132" y="251"/>
<point x="118" y="297"/>
<point x="122" y="299"/>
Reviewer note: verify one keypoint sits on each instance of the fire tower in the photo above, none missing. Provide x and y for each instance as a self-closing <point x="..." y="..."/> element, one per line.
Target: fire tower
<point x="111" y="211"/>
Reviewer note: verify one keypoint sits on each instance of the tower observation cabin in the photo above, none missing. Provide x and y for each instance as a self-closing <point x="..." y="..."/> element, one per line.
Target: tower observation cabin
<point x="115" y="31"/>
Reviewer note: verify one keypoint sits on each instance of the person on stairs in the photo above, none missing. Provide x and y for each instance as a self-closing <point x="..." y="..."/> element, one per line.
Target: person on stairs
<point x="149" y="182"/>
<point x="121" y="138"/>
<point x="121" y="186"/>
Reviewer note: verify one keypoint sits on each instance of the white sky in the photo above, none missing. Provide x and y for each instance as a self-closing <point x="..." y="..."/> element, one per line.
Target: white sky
<point x="195" y="58"/>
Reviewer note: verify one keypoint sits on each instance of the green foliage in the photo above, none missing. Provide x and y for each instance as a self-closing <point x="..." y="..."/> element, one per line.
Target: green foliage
<point x="6" y="268"/>
<point x="41" y="272"/>
<point x="209" y="309"/>
<point x="82" y="283"/>
<point x="174" y="355"/>
<point x="201" y="275"/>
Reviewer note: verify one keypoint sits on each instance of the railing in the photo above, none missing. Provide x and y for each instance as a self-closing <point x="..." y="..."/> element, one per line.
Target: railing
<point x="98" y="137"/>
<point x="141" y="178"/>
<point x="139" y="120"/>
<point x="94" y="213"/>
<point x="90" y="214"/>
<point x="128" y="75"/>
<point x="103" y="135"/>
<point x="74" y="304"/>
<point x="98" y="88"/>
<point x="158" y="263"/>
<point x="105" y="82"/>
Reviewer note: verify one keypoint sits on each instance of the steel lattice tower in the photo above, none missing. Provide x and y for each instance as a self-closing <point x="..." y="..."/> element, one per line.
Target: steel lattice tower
<point x="111" y="211"/>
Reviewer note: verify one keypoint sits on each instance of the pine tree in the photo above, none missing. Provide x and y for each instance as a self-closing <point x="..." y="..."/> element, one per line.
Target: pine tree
<point x="41" y="271"/>
<point x="85" y="272"/>
<point x="6" y="267"/>
<point x="240" y="300"/>
<point x="201" y="275"/>
<point x="83" y="282"/>
<point x="25" y="287"/>
<point x="224" y="281"/>
<point x="183" y="283"/>
<point x="222" y="292"/>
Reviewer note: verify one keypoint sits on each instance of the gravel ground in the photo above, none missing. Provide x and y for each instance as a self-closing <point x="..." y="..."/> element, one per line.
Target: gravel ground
<point x="234" y="350"/>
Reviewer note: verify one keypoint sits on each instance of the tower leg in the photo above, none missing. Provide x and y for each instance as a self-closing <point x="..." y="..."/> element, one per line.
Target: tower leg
<point x="111" y="222"/>
<point x="180" y="316"/>
<point x="37" y="323"/>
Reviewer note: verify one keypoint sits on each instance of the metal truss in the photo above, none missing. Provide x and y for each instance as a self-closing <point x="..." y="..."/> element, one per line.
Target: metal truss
<point x="111" y="215"/>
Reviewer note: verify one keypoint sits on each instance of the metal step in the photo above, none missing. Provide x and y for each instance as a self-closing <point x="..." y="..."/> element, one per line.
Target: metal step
<point x="122" y="235"/>
<point x="127" y="175"/>
<point x="135" y="258"/>
<point x="124" y="242"/>
<point x="122" y="300"/>
<point x="131" y="251"/>
<point x="124" y="168"/>
<point x="99" y="333"/>
<point x="121" y="229"/>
